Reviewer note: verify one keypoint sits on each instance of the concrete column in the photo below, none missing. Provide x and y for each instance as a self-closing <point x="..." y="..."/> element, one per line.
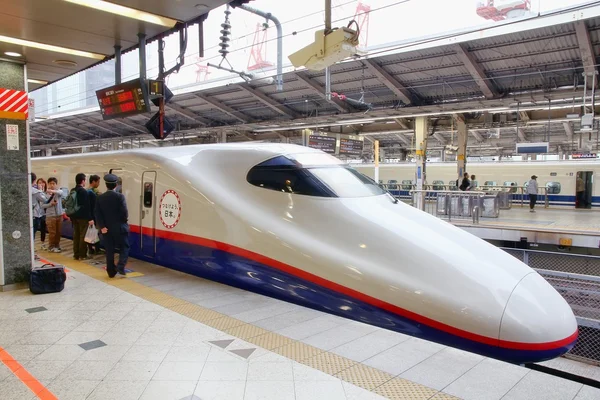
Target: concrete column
<point x="16" y="245"/>
<point x="534" y="157"/>
<point x="49" y="152"/>
<point x="461" y="155"/>
<point x="421" y="133"/>
<point x="223" y="137"/>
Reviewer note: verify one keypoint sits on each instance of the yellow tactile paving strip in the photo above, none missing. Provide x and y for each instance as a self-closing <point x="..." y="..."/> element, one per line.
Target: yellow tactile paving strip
<point x="343" y="368"/>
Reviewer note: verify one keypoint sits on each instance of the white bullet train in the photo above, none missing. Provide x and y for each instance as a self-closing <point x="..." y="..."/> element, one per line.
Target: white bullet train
<point x="296" y="224"/>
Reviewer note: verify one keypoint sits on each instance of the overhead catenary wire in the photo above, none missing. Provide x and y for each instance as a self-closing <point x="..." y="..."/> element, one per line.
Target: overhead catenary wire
<point x="405" y="46"/>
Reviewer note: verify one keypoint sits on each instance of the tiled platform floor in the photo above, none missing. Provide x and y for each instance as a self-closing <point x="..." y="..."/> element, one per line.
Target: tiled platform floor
<point x="247" y="346"/>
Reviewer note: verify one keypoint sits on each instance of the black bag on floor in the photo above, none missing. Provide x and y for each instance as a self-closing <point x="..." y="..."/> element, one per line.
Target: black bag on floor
<point x="48" y="278"/>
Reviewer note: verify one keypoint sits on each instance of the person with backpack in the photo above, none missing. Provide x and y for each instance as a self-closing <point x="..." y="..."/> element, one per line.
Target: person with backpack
<point x="77" y="207"/>
<point x="54" y="213"/>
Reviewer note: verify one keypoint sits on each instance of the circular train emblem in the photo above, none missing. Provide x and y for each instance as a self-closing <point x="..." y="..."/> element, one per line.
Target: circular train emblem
<point x="170" y="209"/>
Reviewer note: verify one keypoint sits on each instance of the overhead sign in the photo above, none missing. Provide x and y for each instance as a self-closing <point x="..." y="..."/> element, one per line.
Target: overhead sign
<point x="123" y="100"/>
<point x="324" y="143"/>
<point x="351" y="146"/>
<point x="533" y="148"/>
<point x="584" y="156"/>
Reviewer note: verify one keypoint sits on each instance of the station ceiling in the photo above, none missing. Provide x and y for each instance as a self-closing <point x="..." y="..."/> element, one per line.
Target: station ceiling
<point x="66" y="24"/>
<point x="504" y="86"/>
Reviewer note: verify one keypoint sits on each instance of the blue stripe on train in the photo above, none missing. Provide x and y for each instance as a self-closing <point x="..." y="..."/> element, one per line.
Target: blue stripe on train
<point x="247" y="274"/>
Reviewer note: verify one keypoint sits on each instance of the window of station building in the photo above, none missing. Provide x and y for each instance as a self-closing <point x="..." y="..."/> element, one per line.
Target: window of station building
<point x="307" y="176"/>
<point x="148" y="194"/>
<point x="392" y="184"/>
<point x="553" y="187"/>
<point x="438" y="185"/>
<point x="513" y="186"/>
<point x="406" y="184"/>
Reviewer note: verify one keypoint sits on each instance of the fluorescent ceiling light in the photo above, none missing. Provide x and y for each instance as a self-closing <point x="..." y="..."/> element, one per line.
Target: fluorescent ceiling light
<point x="12" y="54"/>
<point x="49" y="47"/>
<point x="39" y="82"/>
<point x="126" y="12"/>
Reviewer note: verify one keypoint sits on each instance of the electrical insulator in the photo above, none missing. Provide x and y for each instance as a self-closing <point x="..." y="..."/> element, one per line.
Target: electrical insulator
<point x="225" y="33"/>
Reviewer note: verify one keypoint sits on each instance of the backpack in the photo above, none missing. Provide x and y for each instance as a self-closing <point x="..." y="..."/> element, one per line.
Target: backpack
<point x="71" y="206"/>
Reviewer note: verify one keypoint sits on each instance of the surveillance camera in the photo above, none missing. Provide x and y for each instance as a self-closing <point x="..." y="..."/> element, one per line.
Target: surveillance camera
<point x="327" y="49"/>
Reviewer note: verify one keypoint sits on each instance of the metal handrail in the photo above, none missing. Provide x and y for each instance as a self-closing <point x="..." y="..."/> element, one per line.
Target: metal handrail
<point x="520" y="191"/>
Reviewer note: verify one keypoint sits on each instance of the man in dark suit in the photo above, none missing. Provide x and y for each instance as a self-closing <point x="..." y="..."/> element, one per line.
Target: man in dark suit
<point x="111" y="217"/>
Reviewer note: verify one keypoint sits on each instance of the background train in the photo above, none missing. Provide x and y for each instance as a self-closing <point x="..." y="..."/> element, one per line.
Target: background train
<point x="558" y="177"/>
<point x="296" y="224"/>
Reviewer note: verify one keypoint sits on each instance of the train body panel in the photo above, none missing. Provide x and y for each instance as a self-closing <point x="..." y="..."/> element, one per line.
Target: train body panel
<point x="560" y="174"/>
<point x="363" y="257"/>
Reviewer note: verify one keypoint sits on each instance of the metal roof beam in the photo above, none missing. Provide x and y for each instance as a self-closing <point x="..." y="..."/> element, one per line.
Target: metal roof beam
<point x="401" y="138"/>
<point x="388" y="80"/>
<point x="476" y="134"/>
<point x="223" y="108"/>
<point x="75" y="128"/>
<point x="403" y="123"/>
<point x="130" y="124"/>
<point x="59" y="133"/>
<point x="585" y="48"/>
<point x="269" y="102"/>
<point x="315" y="87"/>
<point x="189" y="114"/>
<point x="439" y="138"/>
<point x="97" y="125"/>
<point x="475" y="70"/>
<point x="568" y="130"/>
<point x="521" y="135"/>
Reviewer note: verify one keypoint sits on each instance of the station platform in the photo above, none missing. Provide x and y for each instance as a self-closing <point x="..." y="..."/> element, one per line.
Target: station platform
<point x="162" y="334"/>
<point x="545" y="226"/>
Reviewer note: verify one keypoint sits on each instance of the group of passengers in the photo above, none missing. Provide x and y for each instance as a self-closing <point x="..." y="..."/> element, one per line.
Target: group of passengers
<point x="532" y="188"/>
<point x="86" y="208"/>
<point x="467" y="184"/>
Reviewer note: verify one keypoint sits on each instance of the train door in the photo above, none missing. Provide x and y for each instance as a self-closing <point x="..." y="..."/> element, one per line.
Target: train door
<point x="148" y="214"/>
<point x="584" y="181"/>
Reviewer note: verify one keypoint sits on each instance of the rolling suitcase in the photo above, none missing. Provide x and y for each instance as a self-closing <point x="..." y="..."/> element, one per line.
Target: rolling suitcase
<point x="48" y="278"/>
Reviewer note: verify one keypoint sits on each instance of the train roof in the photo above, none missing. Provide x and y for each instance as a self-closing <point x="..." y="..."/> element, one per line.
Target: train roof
<point x="261" y="149"/>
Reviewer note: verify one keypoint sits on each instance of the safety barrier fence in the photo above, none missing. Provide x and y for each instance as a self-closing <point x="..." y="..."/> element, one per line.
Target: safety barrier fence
<point x="456" y="205"/>
<point x="577" y="279"/>
<point x="508" y="196"/>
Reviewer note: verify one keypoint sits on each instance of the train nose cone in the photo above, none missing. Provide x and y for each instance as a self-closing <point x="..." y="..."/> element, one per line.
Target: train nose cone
<point x="537" y="323"/>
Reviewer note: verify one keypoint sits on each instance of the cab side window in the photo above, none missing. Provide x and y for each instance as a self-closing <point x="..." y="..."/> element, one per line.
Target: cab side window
<point x="406" y="184"/>
<point x="148" y="194"/>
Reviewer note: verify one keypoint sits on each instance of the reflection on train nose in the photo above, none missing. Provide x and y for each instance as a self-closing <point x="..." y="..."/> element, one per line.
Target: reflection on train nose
<point x="537" y="314"/>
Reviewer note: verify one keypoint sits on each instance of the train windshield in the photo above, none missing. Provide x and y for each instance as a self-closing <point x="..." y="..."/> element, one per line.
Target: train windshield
<point x="317" y="175"/>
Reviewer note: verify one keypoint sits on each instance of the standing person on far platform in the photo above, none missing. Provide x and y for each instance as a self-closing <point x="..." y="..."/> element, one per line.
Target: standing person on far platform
<point x="111" y="215"/>
<point x="532" y="191"/>
<point x="77" y="207"/>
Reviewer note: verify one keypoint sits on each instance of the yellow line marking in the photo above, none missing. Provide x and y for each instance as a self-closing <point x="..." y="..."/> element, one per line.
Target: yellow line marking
<point x="340" y="367"/>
